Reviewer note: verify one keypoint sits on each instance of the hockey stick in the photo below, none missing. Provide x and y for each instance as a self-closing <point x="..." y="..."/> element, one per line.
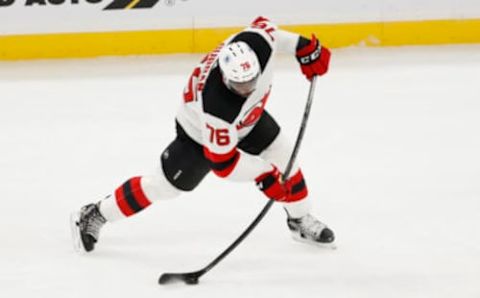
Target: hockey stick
<point x="191" y="278"/>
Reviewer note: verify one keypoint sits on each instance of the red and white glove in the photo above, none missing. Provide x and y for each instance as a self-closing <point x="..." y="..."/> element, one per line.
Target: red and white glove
<point x="271" y="184"/>
<point x="313" y="58"/>
<point x="292" y="190"/>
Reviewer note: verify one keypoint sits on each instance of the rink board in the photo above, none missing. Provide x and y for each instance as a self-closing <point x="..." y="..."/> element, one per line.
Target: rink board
<point x="91" y="44"/>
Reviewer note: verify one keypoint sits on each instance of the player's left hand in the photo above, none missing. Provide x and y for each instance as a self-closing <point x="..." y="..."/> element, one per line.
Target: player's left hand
<point x="313" y="58"/>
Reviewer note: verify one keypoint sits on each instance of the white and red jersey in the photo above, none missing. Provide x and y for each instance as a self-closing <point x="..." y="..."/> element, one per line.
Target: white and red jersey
<point x="217" y="118"/>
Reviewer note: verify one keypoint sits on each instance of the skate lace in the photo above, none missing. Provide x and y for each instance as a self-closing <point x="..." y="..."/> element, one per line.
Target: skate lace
<point x="93" y="222"/>
<point x="312" y="226"/>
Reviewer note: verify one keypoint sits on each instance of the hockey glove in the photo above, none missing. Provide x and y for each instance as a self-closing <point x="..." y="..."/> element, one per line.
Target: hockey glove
<point x="271" y="185"/>
<point x="313" y="58"/>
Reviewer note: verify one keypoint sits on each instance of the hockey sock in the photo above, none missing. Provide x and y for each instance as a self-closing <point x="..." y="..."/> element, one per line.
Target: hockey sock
<point x="130" y="197"/>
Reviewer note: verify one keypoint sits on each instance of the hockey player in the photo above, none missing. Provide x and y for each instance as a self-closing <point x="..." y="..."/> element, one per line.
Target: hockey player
<point x="222" y="127"/>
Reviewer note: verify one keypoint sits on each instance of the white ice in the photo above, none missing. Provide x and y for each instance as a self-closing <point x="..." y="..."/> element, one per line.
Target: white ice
<point x="391" y="156"/>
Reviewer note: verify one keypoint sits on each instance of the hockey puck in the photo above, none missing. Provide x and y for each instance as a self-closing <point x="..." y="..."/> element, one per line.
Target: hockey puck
<point x="191" y="280"/>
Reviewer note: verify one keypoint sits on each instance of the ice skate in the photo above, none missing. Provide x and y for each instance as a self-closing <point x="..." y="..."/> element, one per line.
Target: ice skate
<point x="86" y="225"/>
<point x="310" y="230"/>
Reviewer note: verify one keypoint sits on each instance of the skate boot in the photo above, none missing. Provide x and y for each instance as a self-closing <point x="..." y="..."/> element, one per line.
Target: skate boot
<point x="310" y="230"/>
<point x="86" y="225"/>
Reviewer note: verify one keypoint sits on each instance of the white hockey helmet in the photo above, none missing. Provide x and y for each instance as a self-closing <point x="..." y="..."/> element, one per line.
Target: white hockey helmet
<point x="240" y="67"/>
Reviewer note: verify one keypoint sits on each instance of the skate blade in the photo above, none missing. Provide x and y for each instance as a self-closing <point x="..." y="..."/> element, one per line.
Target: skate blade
<point x="298" y="238"/>
<point x="76" y="238"/>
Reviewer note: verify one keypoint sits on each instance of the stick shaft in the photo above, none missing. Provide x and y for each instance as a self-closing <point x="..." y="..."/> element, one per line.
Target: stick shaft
<point x="286" y="174"/>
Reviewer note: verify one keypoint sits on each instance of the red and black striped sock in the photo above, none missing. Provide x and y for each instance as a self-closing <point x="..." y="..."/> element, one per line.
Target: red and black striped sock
<point x="130" y="197"/>
<point x="297" y="187"/>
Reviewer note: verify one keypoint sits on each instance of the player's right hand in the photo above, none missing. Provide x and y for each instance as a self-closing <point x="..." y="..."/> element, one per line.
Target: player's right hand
<point x="272" y="185"/>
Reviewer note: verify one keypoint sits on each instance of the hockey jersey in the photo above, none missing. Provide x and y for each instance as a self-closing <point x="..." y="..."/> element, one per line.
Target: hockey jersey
<point x="217" y="118"/>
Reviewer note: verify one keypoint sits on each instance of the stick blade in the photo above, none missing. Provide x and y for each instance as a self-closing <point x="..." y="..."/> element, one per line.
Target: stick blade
<point x="190" y="278"/>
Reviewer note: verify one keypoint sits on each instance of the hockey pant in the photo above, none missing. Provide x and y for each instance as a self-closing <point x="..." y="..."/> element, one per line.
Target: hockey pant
<point x="183" y="166"/>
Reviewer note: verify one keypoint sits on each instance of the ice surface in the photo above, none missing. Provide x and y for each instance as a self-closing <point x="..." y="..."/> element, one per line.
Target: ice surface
<point x="391" y="156"/>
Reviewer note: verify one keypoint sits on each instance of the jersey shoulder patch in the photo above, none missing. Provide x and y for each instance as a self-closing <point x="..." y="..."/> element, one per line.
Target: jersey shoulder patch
<point x="218" y="100"/>
<point x="259" y="45"/>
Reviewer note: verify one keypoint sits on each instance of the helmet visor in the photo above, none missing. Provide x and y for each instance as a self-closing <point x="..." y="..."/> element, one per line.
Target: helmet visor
<point x="244" y="88"/>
